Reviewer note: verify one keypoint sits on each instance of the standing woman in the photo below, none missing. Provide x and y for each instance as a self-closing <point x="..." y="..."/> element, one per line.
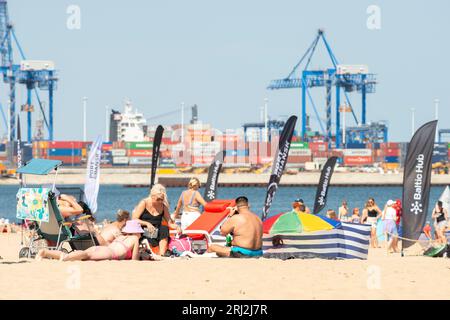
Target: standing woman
<point x="189" y="203"/>
<point x="150" y="212"/>
<point x="440" y="214"/>
<point x="371" y="213"/>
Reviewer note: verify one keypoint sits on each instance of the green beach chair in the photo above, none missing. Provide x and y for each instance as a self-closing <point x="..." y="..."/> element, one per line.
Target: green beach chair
<point x="52" y="232"/>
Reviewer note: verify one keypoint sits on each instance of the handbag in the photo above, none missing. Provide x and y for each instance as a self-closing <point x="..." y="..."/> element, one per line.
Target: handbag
<point x="180" y="245"/>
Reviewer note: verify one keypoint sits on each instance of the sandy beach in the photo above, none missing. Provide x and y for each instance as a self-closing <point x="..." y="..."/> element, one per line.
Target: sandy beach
<point x="382" y="276"/>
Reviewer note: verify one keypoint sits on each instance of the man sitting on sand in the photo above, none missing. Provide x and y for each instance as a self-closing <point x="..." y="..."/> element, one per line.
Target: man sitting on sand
<point x="246" y="229"/>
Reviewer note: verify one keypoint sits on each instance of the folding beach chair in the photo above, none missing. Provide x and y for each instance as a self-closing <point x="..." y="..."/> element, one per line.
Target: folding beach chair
<point x="40" y="205"/>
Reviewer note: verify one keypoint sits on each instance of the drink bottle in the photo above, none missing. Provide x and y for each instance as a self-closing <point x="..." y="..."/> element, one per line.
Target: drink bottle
<point x="228" y="240"/>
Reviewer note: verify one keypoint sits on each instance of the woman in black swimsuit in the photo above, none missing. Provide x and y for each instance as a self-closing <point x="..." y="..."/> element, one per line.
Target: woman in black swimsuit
<point x="150" y="213"/>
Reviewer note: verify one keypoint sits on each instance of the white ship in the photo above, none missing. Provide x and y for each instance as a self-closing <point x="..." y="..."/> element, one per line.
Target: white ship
<point x="131" y="124"/>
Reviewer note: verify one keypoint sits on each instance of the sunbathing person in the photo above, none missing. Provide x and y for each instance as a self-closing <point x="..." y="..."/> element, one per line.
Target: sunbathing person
<point x="124" y="247"/>
<point x="68" y="206"/>
<point x="246" y="229"/>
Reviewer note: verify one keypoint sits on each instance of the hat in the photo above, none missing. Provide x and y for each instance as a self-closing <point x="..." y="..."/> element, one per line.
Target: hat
<point x="428" y="222"/>
<point x="390" y="202"/>
<point x="299" y="200"/>
<point x="132" y="226"/>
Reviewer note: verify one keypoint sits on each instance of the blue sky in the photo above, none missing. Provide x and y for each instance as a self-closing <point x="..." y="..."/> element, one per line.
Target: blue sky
<point x="221" y="55"/>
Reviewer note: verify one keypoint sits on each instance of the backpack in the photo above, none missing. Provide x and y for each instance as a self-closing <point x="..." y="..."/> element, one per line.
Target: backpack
<point x="180" y="245"/>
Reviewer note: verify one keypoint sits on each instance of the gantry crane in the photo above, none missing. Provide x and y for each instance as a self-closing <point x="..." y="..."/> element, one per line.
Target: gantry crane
<point x="34" y="74"/>
<point x="346" y="77"/>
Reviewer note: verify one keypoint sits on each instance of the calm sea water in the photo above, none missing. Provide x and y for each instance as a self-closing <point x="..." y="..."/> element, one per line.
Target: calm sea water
<point x="113" y="197"/>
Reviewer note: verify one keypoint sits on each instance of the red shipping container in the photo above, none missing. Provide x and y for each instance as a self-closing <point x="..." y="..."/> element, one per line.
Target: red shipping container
<point x="166" y="141"/>
<point x="118" y="145"/>
<point x="166" y="154"/>
<point x="389" y="145"/>
<point x="358" y="160"/>
<point x="107" y="147"/>
<point x="202" y="160"/>
<point x="390" y="152"/>
<point x="230" y="160"/>
<point x="139" y="153"/>
<point x="318" y="146"/>
<point x="298" y="159"/>
<point x="67" y="160"/>
<point x="320" y="154"/>
<point x="65" y="144"/>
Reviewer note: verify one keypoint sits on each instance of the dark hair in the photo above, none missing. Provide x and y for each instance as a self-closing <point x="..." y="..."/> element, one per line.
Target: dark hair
<point x="439" y="203"/>
<point x="122" y="215"/>
<point x="241" y="201"/>
<point x="85" y="207"/>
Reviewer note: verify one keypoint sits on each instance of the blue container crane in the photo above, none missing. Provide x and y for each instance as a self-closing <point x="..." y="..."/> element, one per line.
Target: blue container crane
<point x="335" y="76"/>
<point x="33" y="79"/>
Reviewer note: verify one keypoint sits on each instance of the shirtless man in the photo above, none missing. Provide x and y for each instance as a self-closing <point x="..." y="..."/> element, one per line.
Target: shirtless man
<point x="246" y="229"/>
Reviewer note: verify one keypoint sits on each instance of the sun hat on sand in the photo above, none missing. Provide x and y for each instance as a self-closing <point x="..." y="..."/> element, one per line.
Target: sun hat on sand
<point x="132" y="226"/>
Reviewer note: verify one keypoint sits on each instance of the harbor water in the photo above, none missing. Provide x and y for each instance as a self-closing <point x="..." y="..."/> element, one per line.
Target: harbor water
<point x="114" y="197"/>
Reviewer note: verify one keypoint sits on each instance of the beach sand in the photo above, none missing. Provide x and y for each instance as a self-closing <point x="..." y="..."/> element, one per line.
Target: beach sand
<point x="382" y="276"/>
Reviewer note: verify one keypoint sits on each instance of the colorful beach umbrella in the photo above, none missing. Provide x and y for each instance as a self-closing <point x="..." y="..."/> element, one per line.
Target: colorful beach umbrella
<point x="294" y="222"/>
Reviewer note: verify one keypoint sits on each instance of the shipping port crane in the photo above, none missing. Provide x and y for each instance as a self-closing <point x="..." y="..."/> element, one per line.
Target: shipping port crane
<point x="347" y="78"/>
<point x="34" y="74"/>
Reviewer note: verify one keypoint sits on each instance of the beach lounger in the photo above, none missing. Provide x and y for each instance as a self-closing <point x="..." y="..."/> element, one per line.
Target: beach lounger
<point x="206" y="229"/>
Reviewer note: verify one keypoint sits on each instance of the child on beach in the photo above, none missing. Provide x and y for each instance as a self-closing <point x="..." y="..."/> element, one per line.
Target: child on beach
<point x="355" y="218"/>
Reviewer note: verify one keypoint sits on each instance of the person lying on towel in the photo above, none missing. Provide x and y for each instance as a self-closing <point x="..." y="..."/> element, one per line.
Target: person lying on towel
<point x="246" y="229"/>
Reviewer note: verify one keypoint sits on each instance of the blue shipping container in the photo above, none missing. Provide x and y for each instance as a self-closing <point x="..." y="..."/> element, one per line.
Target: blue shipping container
<point x="238" y="153"/>
<point x="435" y="159"/>
<point x="64" y="152"/>
<point x="356" y="146"/>
<point x="391" y="159"/>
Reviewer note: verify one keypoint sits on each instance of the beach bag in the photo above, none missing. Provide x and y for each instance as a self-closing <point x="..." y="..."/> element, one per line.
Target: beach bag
<point x="180" y="245"/>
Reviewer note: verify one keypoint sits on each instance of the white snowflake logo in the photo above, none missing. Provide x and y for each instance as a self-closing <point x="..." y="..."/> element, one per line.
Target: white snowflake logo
<point x="416" y="207"/>
<point x="211" y="194"/>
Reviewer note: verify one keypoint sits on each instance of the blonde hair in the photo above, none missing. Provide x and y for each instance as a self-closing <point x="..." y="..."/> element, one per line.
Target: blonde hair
<point x="193" y="182"/>
<point x="159" y="189"/>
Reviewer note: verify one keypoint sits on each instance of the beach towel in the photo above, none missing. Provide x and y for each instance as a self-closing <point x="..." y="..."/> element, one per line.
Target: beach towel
<point x="32" y="204"/>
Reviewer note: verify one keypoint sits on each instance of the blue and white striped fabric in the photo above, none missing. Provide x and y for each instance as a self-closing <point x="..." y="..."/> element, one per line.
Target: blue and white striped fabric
<point x="350" y="241"/>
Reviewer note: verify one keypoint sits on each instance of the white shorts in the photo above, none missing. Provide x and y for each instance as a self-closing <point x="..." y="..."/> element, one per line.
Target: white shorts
<point x="372" y="221"/>
<point x="188" y="217"/>
<point x="440" y="225"/>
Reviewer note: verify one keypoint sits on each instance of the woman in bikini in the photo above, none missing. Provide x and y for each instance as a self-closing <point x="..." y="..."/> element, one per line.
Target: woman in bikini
<point x="189" y="203"/>
<point x="371" y="213"/>
<point x="124" y="247"/>
<point x="150" y="212"/>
